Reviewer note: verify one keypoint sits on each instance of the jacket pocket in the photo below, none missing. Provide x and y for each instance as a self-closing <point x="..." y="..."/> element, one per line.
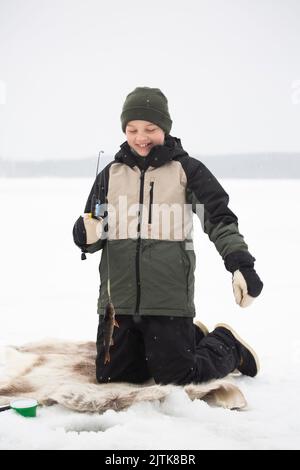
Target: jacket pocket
<point x="150" y="202"/>
<point x="189" y="261"/>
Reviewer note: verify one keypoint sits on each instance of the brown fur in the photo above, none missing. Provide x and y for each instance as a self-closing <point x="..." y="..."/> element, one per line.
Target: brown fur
<point x="85" y="368"/>
<point x="64" y="372"/>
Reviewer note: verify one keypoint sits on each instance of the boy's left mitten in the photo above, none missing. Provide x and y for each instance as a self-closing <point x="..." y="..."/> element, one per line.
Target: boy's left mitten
<point x="245" y="281"/>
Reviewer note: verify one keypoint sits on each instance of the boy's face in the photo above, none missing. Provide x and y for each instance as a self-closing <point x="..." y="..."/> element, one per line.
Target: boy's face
<point x="143" y="135"/>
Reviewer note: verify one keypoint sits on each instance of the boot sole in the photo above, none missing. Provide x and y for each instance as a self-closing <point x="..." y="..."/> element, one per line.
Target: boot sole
<point x="243" y="342"/>
<point x="201" y="327"/>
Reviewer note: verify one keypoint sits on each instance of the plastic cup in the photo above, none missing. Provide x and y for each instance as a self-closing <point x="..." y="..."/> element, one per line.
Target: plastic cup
<point x="25" y="407"/>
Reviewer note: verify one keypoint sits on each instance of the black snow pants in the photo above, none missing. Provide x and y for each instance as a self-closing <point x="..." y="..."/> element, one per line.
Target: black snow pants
<point x="167" y="349"/>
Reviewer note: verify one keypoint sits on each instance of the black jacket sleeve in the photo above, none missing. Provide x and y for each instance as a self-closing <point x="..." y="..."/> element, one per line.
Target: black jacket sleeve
<point x="210" y="202"/>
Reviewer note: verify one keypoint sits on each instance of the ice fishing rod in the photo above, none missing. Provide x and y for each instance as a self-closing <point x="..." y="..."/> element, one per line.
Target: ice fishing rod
<point x="98" y="215"/>
<point x="99" y="211"/>
<point x="95" y="203"/>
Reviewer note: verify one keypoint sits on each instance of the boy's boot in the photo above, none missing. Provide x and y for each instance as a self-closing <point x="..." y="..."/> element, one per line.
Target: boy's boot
<point x="249" y="363"/>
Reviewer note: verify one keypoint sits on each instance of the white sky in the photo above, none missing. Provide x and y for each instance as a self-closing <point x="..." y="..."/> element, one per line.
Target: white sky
<point x="230" y="70"/>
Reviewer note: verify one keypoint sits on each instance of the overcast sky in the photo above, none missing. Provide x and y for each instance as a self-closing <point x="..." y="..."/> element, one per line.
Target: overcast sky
<point x="230" y="70"/>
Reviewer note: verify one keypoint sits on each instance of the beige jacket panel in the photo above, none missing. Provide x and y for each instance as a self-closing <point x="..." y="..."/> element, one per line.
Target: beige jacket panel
<point x="171" y="218"/>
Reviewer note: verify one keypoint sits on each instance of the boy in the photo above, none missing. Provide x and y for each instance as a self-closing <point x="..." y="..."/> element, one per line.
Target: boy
<point x="151" y="257"/>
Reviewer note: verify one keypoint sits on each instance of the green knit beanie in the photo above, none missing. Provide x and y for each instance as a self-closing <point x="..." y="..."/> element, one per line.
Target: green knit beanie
<point x="147" y="104"/>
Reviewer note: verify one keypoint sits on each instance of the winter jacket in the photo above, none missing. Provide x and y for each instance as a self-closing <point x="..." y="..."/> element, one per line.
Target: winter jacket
<point x="151" y="266"/>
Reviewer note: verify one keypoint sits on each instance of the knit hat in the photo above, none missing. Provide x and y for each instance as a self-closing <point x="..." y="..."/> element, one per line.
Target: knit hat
<point x="147" y="104"/>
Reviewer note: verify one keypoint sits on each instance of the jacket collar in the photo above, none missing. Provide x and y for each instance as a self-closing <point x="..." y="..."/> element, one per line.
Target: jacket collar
<point x="158" y="155"/>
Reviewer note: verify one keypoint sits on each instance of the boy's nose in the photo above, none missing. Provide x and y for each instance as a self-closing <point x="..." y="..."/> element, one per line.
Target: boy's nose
<point x="142" y="139"/>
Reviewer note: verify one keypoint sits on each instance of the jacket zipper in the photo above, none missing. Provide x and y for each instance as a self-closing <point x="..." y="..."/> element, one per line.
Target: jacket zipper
<point x="138" y="245"/>
<point x="150" y="202"/>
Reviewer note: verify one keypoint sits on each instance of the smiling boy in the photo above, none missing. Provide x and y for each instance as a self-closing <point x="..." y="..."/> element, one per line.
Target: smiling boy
<point x="152" y="277"/>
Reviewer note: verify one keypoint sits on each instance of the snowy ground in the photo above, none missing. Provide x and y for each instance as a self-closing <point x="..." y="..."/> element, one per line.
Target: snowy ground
<point x="47" y="291"/>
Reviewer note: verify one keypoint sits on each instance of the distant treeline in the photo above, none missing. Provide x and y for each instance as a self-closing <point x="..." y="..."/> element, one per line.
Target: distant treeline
<point x="273" y="165"/>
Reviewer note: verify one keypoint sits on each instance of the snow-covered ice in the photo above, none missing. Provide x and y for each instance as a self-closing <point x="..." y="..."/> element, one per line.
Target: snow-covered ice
<point x="47" y="291"/>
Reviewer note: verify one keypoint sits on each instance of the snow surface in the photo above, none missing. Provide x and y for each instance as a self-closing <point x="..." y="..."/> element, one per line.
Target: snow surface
<point x="47" y="291"/>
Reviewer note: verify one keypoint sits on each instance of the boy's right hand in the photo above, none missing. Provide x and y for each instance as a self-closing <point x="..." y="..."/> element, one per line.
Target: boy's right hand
<point x="93" y="228"/>
<point x="87" y="230"/>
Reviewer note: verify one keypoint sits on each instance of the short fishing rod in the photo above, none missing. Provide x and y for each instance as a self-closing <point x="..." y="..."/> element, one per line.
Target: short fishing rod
<point x="98" y="215"/>
<point x="99" y="211"/>
<point x="95" y="202"/>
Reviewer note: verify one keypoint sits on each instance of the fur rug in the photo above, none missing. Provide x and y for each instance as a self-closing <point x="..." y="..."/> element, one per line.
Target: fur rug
<point x="62" y="372"/>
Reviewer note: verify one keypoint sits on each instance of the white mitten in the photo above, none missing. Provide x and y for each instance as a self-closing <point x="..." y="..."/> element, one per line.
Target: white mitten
<point x="240" y="290"/>
<point x="93" y="228"/>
